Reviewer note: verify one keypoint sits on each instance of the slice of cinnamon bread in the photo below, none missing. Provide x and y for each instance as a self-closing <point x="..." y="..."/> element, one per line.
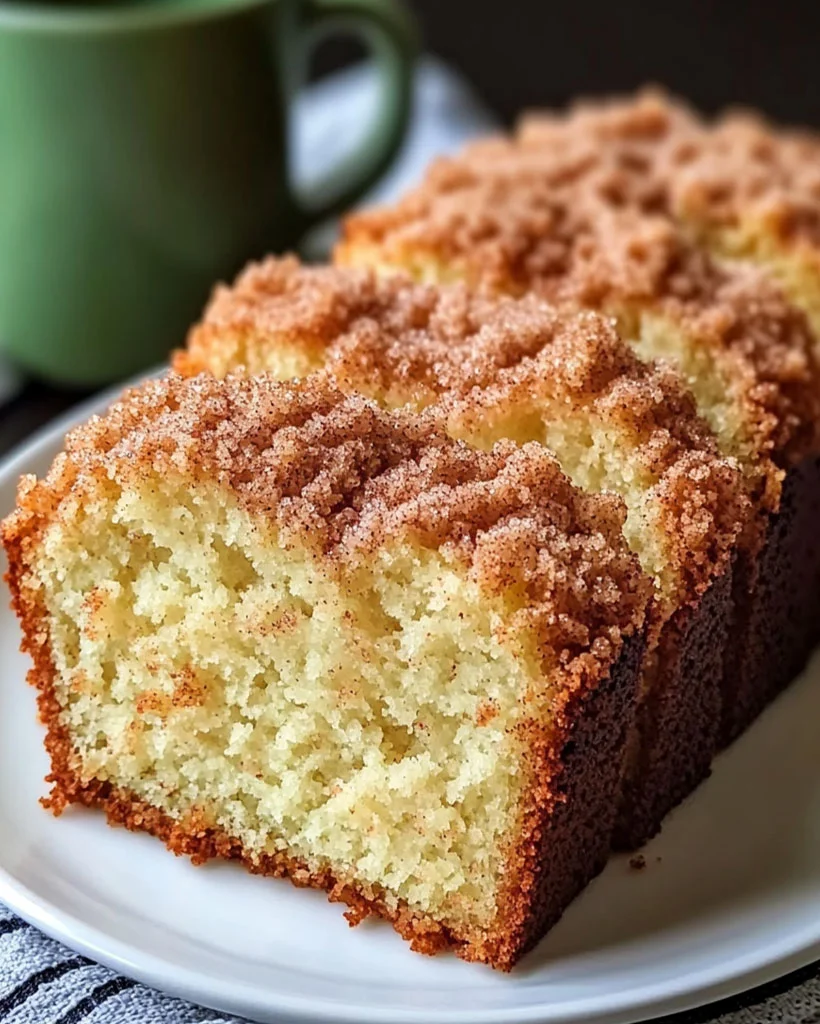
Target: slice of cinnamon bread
<point x="273" y="623"/>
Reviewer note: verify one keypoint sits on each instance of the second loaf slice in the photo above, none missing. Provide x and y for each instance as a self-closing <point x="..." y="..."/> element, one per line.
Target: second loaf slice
<point x="489" y="368"/>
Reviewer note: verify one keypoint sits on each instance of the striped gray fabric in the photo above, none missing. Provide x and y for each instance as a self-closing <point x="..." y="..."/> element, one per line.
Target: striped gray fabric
<point x="42" y="982"/>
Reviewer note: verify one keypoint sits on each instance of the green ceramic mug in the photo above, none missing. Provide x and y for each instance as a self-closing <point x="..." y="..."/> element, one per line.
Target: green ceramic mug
<point x="144" y="155"/>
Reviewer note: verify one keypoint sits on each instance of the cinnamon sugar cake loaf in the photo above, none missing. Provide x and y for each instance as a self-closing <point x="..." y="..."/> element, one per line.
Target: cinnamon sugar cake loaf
<point x="274" y="623"/>
<point x="636" y="209"/>
<point x="427" y="577"/>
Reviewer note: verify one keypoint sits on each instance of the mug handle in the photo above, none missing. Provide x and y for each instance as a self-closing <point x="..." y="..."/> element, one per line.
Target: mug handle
<point x="389" y="33"/>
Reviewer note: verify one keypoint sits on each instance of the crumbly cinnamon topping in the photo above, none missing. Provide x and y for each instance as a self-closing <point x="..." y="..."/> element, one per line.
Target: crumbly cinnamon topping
<point x="395" y="334"/>
<point x="342" y="475"/>
<point x="575" y="209"/>
<point x="476" y="360"/>
<point x="737" y="168"/>
<point x="747" y="172"/>
<point x="419" y="344"/>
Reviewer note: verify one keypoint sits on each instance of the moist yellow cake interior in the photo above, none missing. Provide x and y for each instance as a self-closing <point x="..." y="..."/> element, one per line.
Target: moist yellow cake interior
<point x="656" y="338"/>
<point x="596" y="457"/>
<point x="203" y="666"/>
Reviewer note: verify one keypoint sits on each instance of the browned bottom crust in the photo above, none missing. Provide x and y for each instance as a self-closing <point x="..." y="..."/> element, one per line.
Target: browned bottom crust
<point x="195" y="839"/>
<point x="678" y="723"/>
<point x="778" y="620"/>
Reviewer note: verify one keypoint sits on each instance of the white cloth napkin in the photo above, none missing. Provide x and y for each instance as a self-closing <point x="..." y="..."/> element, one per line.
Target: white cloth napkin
<point x="331" y="116"/>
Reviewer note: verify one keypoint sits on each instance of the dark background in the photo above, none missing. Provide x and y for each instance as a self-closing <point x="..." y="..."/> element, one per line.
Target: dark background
<point x="521" y="53"/>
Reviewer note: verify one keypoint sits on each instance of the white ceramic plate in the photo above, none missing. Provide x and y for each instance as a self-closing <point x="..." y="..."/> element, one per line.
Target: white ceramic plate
<point x="730" y="896"/>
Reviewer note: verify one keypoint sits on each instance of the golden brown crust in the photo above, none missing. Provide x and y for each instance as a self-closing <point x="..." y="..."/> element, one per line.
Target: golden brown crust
<point x="776" y="604"/>
<point x="576" y="766"/>
<point x="345" y="477"/>
<point x="584" y="224"/>
<point x="476" y="359"/>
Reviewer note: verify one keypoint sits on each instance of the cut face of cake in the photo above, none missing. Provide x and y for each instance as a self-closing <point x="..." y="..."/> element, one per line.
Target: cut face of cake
<point x="274" y="623"/>
<point x="584" y="210"/>
<point x="490" y="368"/>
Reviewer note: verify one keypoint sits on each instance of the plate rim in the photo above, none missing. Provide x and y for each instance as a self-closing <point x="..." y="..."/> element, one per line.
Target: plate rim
<point x="724" y="979"/>
<point x="184" y="983"/>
